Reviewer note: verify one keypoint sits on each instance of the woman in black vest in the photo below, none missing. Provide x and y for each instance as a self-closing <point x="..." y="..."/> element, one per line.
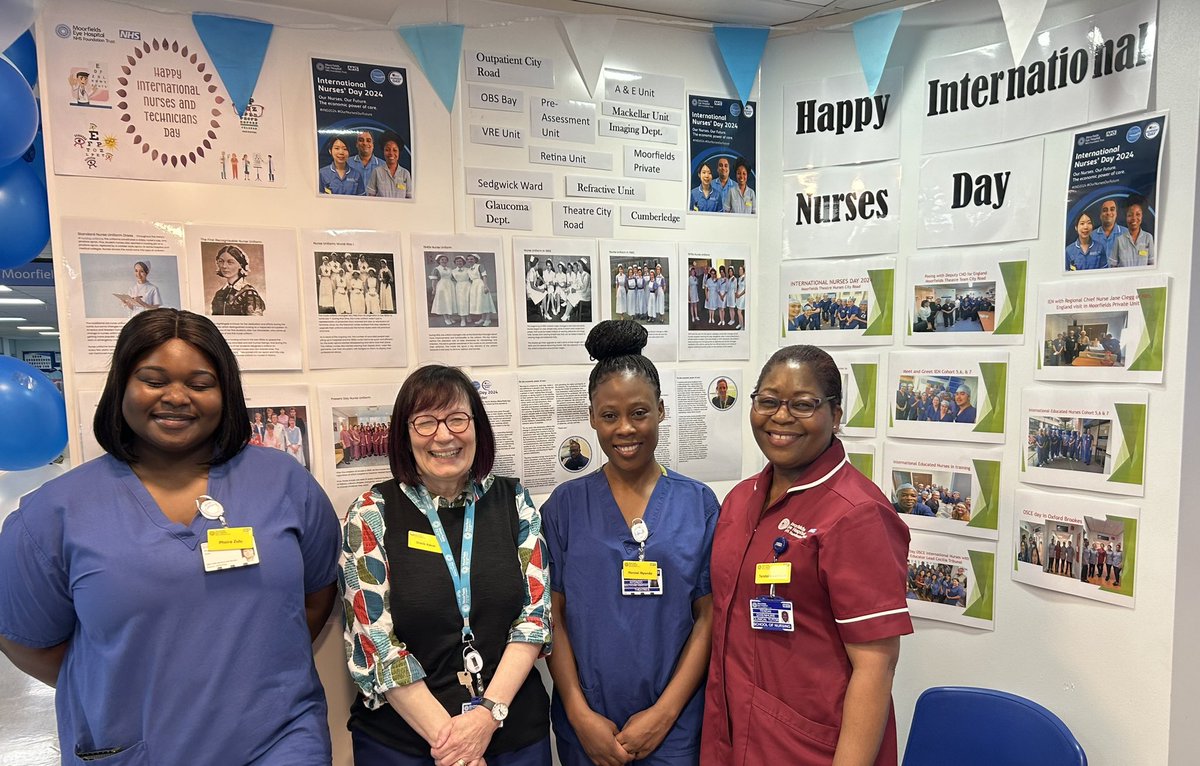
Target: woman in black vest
<point x="443" y="576"/>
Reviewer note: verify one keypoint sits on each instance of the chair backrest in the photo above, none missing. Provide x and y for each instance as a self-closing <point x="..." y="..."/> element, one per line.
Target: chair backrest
<point x="986" y="727"/>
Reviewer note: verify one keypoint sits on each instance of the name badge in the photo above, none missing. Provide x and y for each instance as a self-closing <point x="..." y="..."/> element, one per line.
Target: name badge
<point x="641" y="578"/>
<point x="230" y="538"/>
<point x="423" y="542"/>
<point x="216" y="561"/>
<point x="770" y="613"/>
<point x="773" y="573"/>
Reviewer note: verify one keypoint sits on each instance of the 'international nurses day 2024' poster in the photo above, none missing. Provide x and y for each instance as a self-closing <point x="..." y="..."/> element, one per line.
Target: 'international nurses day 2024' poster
<point x="721" y="134"/>
<point x="364" y="129"/>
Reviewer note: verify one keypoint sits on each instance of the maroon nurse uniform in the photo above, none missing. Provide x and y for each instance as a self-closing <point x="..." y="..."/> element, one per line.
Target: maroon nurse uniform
<point x="776" y="697"/>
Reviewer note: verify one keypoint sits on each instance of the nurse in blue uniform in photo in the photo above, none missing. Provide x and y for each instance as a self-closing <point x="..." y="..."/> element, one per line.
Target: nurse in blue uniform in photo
<point x="705" y="198"/>
<point x="629" y="548"/>
<point x="171" y="589"/>
<point x="338" y="177"/>
<point x="1086" y="252"/>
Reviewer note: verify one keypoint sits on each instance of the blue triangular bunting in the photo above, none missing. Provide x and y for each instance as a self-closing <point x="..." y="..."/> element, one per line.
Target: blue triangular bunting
<point x="873" y="38"/>
<point x="237" y="48"/>
<point x="742" y="49"/>
<point x="438" y="51"/>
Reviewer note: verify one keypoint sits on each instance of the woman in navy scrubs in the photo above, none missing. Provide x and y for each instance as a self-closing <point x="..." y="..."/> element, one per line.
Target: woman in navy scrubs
<point x="631" y="648"/>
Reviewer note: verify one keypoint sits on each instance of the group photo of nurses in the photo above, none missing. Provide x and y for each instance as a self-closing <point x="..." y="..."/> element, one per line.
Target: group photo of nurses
<point x="672" y="625"/>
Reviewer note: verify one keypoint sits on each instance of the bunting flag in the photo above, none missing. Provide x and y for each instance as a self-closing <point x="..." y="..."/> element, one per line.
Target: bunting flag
<point x="1021" y="18"/>
<point x="587" y="39"/>
<point x="873" y="38"/>
<point x="237" y="48"/>
<point x="438" y="51"/>
<point x="742" y="49"/>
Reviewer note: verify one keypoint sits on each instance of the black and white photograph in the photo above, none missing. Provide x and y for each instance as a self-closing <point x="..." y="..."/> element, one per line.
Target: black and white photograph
<point x="460" y="288"/>
<point x="235" y="279"/>
<point x="355" y="283"/>
<point x="558" y="289"/>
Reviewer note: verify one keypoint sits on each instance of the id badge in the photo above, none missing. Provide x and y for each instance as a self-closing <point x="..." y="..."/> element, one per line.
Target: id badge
<point x="216" y="561"/>
<point x="641" y="578"/>
<point x="770" y="613"/>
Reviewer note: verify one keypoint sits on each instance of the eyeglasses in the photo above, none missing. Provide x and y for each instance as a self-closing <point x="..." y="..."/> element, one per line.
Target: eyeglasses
<point x="799" y="408"/>
<point x="427" y="425"/>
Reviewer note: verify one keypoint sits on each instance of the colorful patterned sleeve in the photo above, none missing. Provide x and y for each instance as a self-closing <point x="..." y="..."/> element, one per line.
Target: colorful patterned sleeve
<point x="378" y="661"/>
<point x="534" y="625"/>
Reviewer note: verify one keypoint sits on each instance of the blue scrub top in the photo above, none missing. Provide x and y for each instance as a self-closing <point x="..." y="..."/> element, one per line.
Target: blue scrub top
<point x="626" y="647"/>
<point x="172" y="664"/>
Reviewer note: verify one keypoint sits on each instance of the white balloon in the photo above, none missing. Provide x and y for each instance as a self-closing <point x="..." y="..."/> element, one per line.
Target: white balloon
<point x="16" y="484"/>
<point x="15" y="17"/>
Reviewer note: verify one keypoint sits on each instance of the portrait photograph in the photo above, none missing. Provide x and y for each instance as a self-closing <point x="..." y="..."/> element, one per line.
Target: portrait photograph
<point x="575" y="454"/>
<point x="119" y="286"/>
<point x="235" y="279"/>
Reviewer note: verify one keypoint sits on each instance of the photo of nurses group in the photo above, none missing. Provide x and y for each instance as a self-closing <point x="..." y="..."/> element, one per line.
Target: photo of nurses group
<point x="165" y="589"/>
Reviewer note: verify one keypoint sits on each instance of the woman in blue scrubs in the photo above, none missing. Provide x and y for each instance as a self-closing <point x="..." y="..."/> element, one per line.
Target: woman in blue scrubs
<point x="629" y="653"/>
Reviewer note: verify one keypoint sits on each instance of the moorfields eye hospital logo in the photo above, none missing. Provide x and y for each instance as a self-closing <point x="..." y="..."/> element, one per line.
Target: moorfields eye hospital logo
<point x="795" y="530"/>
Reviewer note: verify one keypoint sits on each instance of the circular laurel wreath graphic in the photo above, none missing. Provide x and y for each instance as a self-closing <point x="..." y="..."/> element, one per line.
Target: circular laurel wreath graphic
<point x="141" y="56"/>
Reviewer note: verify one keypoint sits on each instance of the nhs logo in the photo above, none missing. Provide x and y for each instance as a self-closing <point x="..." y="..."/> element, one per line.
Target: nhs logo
<point x="129" y="34"/>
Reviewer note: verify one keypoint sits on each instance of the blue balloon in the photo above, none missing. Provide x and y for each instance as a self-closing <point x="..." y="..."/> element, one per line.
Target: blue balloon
<point x="34" y="416"/>
<point x="24" y="215"/>
<point x="23" y="55"/>
<point x="19" y="115"/>
<point x="35" y="157"/>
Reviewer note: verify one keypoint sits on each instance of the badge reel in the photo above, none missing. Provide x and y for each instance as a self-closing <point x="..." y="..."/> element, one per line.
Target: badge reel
<point x="471" y="677"/>
<point x="641" y="577"/>
<point x="227" y="547"/>
<point x="770" y="612"/>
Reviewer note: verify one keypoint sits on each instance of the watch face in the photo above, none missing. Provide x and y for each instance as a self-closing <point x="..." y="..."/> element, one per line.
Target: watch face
<point x="499" y="711"/>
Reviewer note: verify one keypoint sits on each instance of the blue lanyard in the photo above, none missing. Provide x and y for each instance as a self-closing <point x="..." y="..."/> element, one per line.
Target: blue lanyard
<point x="461" y="578"/>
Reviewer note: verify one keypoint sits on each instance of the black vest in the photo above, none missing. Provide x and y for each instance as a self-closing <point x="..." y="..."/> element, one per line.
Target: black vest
<point x="425" y="615"/>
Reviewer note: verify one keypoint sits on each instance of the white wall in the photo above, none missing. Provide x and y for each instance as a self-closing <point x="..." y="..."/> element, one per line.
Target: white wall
<point x="1107" y="671"/>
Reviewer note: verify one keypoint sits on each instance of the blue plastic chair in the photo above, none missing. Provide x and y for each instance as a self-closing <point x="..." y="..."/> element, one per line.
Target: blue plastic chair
<point x="985" y="727"/>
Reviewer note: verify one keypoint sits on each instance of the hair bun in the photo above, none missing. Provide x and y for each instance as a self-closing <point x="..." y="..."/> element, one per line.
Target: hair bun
<point x="616" y="337"/>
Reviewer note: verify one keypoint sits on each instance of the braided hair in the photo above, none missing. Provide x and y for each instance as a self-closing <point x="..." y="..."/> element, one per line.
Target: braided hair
<point x="616" y="345"/>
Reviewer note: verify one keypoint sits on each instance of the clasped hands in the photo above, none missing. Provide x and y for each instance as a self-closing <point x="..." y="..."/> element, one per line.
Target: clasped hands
<point x="464" y="738"/>
<point x="606" y="745"/>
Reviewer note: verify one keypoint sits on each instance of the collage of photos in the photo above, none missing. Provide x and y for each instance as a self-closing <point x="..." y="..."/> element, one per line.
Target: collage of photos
<point x="717" y="294"/>
<point x="1075" y="545"/>
<point x="460" y="289"/>
<point x="639" y="289"/>
<point x="284" y="429"/>
<point x="361" y="437"/>
<point x="355" y="283"/>
<point x="559" y="289"/>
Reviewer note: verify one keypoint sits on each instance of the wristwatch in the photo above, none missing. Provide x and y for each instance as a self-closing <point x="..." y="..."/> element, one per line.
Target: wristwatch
<point x="498" y="710"/>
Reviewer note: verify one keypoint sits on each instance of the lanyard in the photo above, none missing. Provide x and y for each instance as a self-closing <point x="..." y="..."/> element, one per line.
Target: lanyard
<point x="460" y="577"/>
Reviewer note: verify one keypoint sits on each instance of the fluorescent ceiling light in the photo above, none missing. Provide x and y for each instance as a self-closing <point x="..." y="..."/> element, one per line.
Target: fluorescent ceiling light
<point x="13" y="319"/>
<point x="22" y="302"/>
<point x="5" y="289"/>
<point x="55" y="333"/>
<point x="36" y="327"/>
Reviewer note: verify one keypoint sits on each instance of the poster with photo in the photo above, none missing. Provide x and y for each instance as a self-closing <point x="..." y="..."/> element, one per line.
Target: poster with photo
<point x="1094" y="330"/>
<point x="853" y="210"/>
<point x="116" y="269"/>
<point x="945" y="489"/>
<point x="459" y="284"/>
<point x="640" y="283"/>
<point x="353" y="304"/>
<point x="860" y="392"/>
<point x="1076" y="545"/>
<point x="280" y="419"/>
<point x="952" y="395"/>
<point x="1085" y="438"/>
<point x="837" y="303"/>
<point x="861" y="455"/>
<point x="1112" y="196"/>
<point x="245" y="280"/>
<point x="837" y="121"/>
<point x="556" y="440"/>
<point x="364" y="129"/>
<point x="354" y="422"/>
<point x="981" y="195"/>
<point x="952" y="579"/>
<point x="702" y="408"/>
<point x="966" y="298"/>
<point x="132" y="93"/>
<point x="722" y="149"/>
<point x="717" y="321"/>
<point x="555" y="299"/>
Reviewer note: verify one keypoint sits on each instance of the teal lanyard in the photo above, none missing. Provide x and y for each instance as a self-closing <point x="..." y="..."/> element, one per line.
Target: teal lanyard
<point x="460" y="577"/>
